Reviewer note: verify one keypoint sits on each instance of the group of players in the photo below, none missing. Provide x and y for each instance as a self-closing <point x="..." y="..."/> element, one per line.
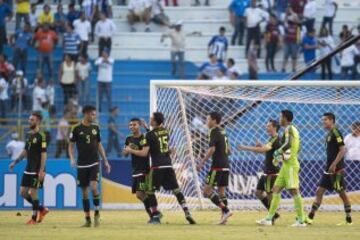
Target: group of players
<point x="152" y="166"/>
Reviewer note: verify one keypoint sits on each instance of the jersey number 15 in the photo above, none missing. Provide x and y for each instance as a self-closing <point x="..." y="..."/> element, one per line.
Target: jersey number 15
<point x="164" y="146"/>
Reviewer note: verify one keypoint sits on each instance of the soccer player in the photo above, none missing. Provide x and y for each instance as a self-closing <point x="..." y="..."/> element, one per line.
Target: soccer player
<point x="288" y="177"/>
<point x="33" y="178"/>
<point x="333" y="177"/>
<point x="267" y="179"/>
<point x="140" y="165"/>
<point x="86" y="136"/>
<point x="219" y="173"/>
<point x="162" y="174"/>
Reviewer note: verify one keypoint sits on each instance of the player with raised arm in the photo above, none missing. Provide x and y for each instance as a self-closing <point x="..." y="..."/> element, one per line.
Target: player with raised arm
<point x="161" y="173"/>
<point x="218" y="176"/>
<point x="333" y="177"/>
<point x="86" y="136"/>
<point x="270" y="171"/>
<point x="288" y="177"/>
<point x="33" y="178"/>
<point x="140" y="165"/>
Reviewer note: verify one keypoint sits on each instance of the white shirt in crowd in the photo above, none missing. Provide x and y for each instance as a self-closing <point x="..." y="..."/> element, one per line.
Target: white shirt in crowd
<point x="39" y="97"/>
<point x="138" y="6"/>
<point x="329" y="8"/>
<point x="68" y="73"/>
<point x="348" y="55"/>
<point x="18" y="85"/>
<point x="33" y="20"/>
<point x="14" y="148"/>
<point x="310" y="9"/>
<point x="178" y="39"/>
<point x="50" y="94"/>
<point x="83" y="29"/>
<point x="254" y="16"/>
<point x="83" y="70"/>
<point x="105" y="70"/>
<point x="62" y="130"/>
<point x="4" y="89"/>
<point x="156" y="7"/>
<point x="105" y="28"/>
<point x="352" y="145"/>
<point x="233" y="69"/>
<point x="327" y="44"/>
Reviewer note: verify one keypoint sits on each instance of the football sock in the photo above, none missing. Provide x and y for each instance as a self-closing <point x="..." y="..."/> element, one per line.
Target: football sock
<point x="96" y="202"/>
<point x="274" y="205"/>
<point x="29" y="199"/>
<point x="86" y="207"/>
<point x="299" y="207"/>
<point x="181" y="199"/>
<point x="347" y="209"/>
<point x="224" y="200"/>
<point x="147" y="205"/>
<point x="265" y="202"/>
<point x="315" y="206"/>
<point x="216" y="200"/>
<point x="35" y="209"/>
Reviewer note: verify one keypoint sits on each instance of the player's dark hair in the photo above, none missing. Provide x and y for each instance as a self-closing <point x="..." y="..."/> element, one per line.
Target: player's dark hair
<point x="275" y="124"/>
<point x="135" y="120"/>
<point x="287" y="114"/>
<point x="216" y="116"/>
<point x="38" y="115"/>
<point x="159" y="118"/>
<point x="222" y="29"/>
<point x="355" y="125"/>
<point x="88" y="108"/>
<point x="330" y="115"/>
<point x="231" y="60"/>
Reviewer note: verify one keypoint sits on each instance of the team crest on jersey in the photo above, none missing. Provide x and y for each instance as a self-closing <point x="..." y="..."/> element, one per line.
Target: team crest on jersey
<point x="34" y="140"/>
<point x="94" y="132"/>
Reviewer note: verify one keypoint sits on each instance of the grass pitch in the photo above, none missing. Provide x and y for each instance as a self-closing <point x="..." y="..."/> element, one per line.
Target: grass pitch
<point x="131" y="225"/>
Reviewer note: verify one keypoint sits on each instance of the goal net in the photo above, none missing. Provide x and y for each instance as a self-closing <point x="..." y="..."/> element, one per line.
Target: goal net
<point x="246" y="107"/>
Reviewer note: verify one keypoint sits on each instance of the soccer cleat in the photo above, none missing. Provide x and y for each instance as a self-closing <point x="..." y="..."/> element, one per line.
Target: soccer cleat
<point x="225" y="217"/>
<point x="309" y="220"/>
<point x="344" y="224"/>
<point x="265" y="222"/>
<point x="31" y="222"/>
<point x="276" y="216"/>
<point x="155" y="220"/>
<point x="87" y="224"/>
<point x="97" y="220"/>
<point x="298" y="224"/>
<point x="189" y="218"/>
<point x="42" y="214"/>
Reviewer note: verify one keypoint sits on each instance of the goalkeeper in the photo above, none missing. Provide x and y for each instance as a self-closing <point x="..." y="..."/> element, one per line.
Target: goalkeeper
<point x="270" y="171"/>
<point x="289" y="173"/>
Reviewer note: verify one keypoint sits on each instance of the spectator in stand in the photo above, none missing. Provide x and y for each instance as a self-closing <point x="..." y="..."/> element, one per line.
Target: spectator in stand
<point x="88" y="8"/>
<point x="221" y="75"/>
<point x="280" y="8"/>
<point x="82" y="27"/>
<point x="291" y="42"/>
<point x="139" y="11"/>
<point x="206" y="3"/>
<point x="72" y="14"/>
<point x="5" y="15"/>
<point x="347" y="62"/>
<point x="113" y="133"/>
<point x="46" y="40"/>
<point x="178" y="38"/>
<point x="218" y="45"/>
<point x="326" y="45"/>
<point x="209" y="69"/>
<point x="46" y="17"/>
<point x="7" y="70"/>
<point x="272" y="38"/>
<point x="310" y="15"/>
<point x="254" y="16"/>
<point x="62" y="134"/>
<point x="83" y="69"/>
<point x="105" y="30"/>
<point x="50" y="95"/>
<point x="33" y="17"/>
<point x="175" y="4"/>
<point x="352" y="143"/>
<point x="67" y="77"/>
<point x="309" y="46"/>
<point x="104" y="78"/>
<point x="22" y="12"/>
<point x="252" y="62"/>
<point x="297" y="6"/>
<point x="19" y="89"/>
<point x="71" y="42"/>
<point x="105" y="7"/>
<point x="345" y="33"/>
<point x="95" y="17"/>
<point x="15" y="147"/>
<point x="237" y="9"/>
<point x="3" y="99"/>
<point x="158" y="15"/>
<point x="60" y="20"/>
<point x="21" y="42"/>
<point x="330" y="14"/>
<point x="233" y="72"/>
<point x="39" y="95"/>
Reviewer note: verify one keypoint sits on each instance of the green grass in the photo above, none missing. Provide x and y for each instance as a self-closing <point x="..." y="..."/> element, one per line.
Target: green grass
<point x="131" y="225"/>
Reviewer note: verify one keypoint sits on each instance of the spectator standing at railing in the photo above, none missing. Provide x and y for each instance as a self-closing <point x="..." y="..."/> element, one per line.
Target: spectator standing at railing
<point x="46" y="17"/>
<point x="272" y="40"/>
<point x="67" y="77"/>
<point x="60" y="20"/>
<point x="252" y="62"/>
<point x="105" y="29"/>
<point x="82" y="27"/>
<point x="309" y="46"/>
<point x="22" y="12"/>
<point x="7" y="70"/>
<point x="352" y="143"/>
<point x="39" y="95"/>
<point x="4" y="96"/>
<point x="139" y="11"/>
<point x="330" y="14"/>
<point x="105" y="77"/>
<point x="83" y="69"/>
<point x="326" y="45"/>
<point x="19" y="89"/>
<point x="71" y="42"/>
<point x="33" y="17"/>
<point x="237" y="9"/>
<point x="72" y="14"/>
<point x="15" y="147"/>
<point x="347" y="62"/>
<point x="291" y="41"/>
<point x="113" y="133"/>
<point x="218" y="45"/>
<point x="310" y="14"/>
<point x="21" y="42"/>
<point x="62" y="136"/>
<point x="345" y="33"/>
<point x="5" y="16"/>
<point x="208" y="70"/>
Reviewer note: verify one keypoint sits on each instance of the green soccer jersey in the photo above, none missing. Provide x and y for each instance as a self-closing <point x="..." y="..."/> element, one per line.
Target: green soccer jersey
<point x="291" y="140"/>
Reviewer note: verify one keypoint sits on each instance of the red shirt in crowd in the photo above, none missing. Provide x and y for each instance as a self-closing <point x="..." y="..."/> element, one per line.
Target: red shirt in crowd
<point x="46" y="40"/>
<point x="298" y="6"/>
<point x="292" y="33"/>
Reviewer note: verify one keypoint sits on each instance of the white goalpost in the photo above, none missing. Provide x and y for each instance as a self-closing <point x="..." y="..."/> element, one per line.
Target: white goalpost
<point x="246" y="107"/>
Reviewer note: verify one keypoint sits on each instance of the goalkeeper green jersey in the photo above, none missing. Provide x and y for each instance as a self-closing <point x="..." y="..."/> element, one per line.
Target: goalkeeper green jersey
<point x="291" y="140"/>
